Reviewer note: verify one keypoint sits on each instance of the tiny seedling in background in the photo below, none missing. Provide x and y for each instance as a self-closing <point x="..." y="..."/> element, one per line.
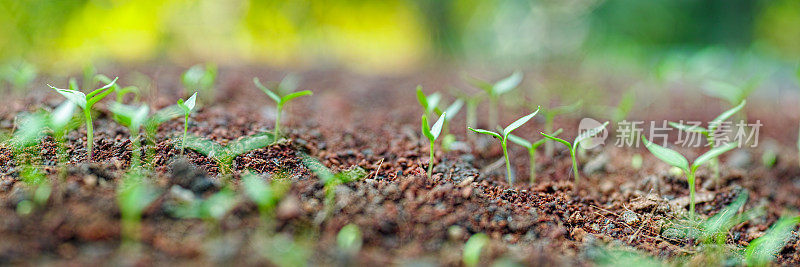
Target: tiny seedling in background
<point x="503" y="137"/>
<point x="211" y="209"/>
<point x="764" y="249"/>
<point x="287" y="95"/>
<point x="675" y="159"/>
<point x="331" y="180"/>
<point x="201" y="79"/>
<point x="621" y="110"/>
<point x="550" y="115"/>
<point x="134" y="195"/>
<point x="349" y="239"/>
<point x="133" y="118"/>
<point x="19" y="76"/>
<point x="430" y="102"/>
<point x="732" y="94"/>
<point x="495" y="91"/>
<point x="432" y="133"/>
<point x="709" y="133"/>
<point x="531" y="147"/>
<point x="86" y="101"/>
<point x="265" y="195"/>
<point x="471" y="102"/>
<point x="224" y="155"/>
<point x="471" y="256"/>
<point x="574" y="146"/>
<point x="187" y="107"/>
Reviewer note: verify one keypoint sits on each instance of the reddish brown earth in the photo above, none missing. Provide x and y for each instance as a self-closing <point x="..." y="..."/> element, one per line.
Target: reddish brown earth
<point x="405" y="217"/>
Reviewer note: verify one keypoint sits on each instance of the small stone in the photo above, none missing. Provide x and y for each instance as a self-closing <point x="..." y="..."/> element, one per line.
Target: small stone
<point x="630" y="217"/>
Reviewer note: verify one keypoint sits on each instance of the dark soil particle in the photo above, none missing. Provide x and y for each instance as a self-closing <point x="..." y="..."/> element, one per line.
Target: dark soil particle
<point x="404" y="216"/>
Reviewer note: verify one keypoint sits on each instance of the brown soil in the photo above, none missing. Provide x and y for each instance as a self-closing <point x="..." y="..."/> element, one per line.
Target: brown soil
<point x="404" y="216"/>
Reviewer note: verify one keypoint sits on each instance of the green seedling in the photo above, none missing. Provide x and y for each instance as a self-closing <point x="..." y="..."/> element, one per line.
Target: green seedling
<point x="265" y="195"/>
<point x="286" y="95"/>
<point x="764" y="249"/>
<point x="471" y="102"/>
<point x="86" y="102"/>
<point x="709" y="133"/>
<point x="549" y="118"/>
<point x="187" y="107"/>
<point x="429" y="104"/>
<point x="349" y="239"/>
<point x="133" y="118"/>
<point x="224" y="155"/>
<point x="730" y="93"/>
<point x="432" y="134"/>
<point x="574" y="146"/>
<point x="331" y="180"/>
<point x="503" y="137"/>
<point x="286" y="250"/>
<point x="20" y="76"/>
<point x="675" y="159"/>
<point x="212" y="209"/>
<point x="494" y="91"/>
<point x="134" y="195"/>
<point x="201" y="79"/>
<point x="473" y="248"/>
<point x="621" y="110"/>
<point x="531" y="147"/>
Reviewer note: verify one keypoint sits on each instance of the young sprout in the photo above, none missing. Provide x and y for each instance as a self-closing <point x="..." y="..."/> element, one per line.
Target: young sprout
<point x="133" y="118"/>
<point x="531" y="147"/>
<point x="733" y="94"/>
<point x="224" y="155"/>
<point x="134" y="195"/>
<point x="495" y="91"/>
<point x="349" y="239"/>
<point x="86" y="101"/>
<point x="549" y="117"/>
<point x="675" y="159"/>
<point x="287" y="95"/>
<point x="201" y="79"/>
<point x="212" y="209"/>
<point x="429" y="104"/>
<point x="331" y="180"/>
<point x="472" y="102"/>
<point x="503" y="137"/>
<point x="709" y="133"/>
<point x="621" y="110"/>
<point x="19" y="76"/>
<point x="473" y="248"/>
<point x="764" y="249"/>
<point x="432" y="134"/>
<point x="574" y="146"/>
<point x="265" y="195"/>
<point x="187" y="107"/>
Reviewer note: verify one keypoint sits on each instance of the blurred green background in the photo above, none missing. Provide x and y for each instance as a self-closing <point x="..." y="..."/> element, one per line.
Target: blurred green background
<point x="389" y="36"/>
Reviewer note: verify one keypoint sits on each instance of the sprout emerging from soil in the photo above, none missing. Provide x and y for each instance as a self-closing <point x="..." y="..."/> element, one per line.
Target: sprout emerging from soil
<point x="287" y="95"/>
<point x="201" y="79"/>
<point x="763" y="250"/>
<point x="574" y="146"/>
<point x="495" y="91"/>
<point x="224" y="155"/>
<point x="473" y="248"/>
<point x="550" y="115"/>
<point x="432" y="133"/>
<point x="133" y="118"/>
<point x="709" y="133"/>
<point x="349" y="239"/>
<point x="503" y="137"/>
<point x="675" y="159"/>
<point x="134" y="195"/>
<point x="531" y="147"/>
<point x="86" y="101"/>
<point x="187" y="107"/>
<point x="429" y="104"/>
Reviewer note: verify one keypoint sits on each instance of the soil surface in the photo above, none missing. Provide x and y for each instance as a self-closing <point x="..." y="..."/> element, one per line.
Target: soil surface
<point x="404" y="216"/>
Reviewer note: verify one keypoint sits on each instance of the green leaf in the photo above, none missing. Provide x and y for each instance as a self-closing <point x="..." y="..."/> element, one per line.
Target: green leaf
<point x="319" y="169"/>
<point x="486" y="87"/>
<point x="482" y="131"/>
<point x="130" y="116"/>
<point x="713" y="153"/>
<point x="422" y="99"/>
<point x="426" y="128"/>
<point x="30" y="130"/>
<point x="667" y="155"/>
<point x="725" y="115"/>
<point x="688" y="128"/>
<point x="247" y="144"/>
<point x="97" y="92"/>
<point x="557" y="140"/>
<point x="349" y="239"/>
<point x="722" y="90"/>
<point x="294" y="95"/>
<point x="624" y="106"/>
<point x="437" y="127"/>
<point x="519" y="122"/>
<point x="61" y="115"/>
<point x="191" y="101"/>
<point x="266" y="90"/>
<point x="288" y="84"/>
<point x="74" y="96"/>
<point x="722" y="221"/>
<point x="564" y="109"/>
<point x="588" y="134"/>
<point x="453" y="109"/>
<point x="763" y="250"/>
<point x="257" y="189"/>
<point x="519" y="141"/>
<point x="507" y="84"/>
<point x="541" y="141"/>
<point x="473" y="248"/>
<point x="165" y="114"/>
